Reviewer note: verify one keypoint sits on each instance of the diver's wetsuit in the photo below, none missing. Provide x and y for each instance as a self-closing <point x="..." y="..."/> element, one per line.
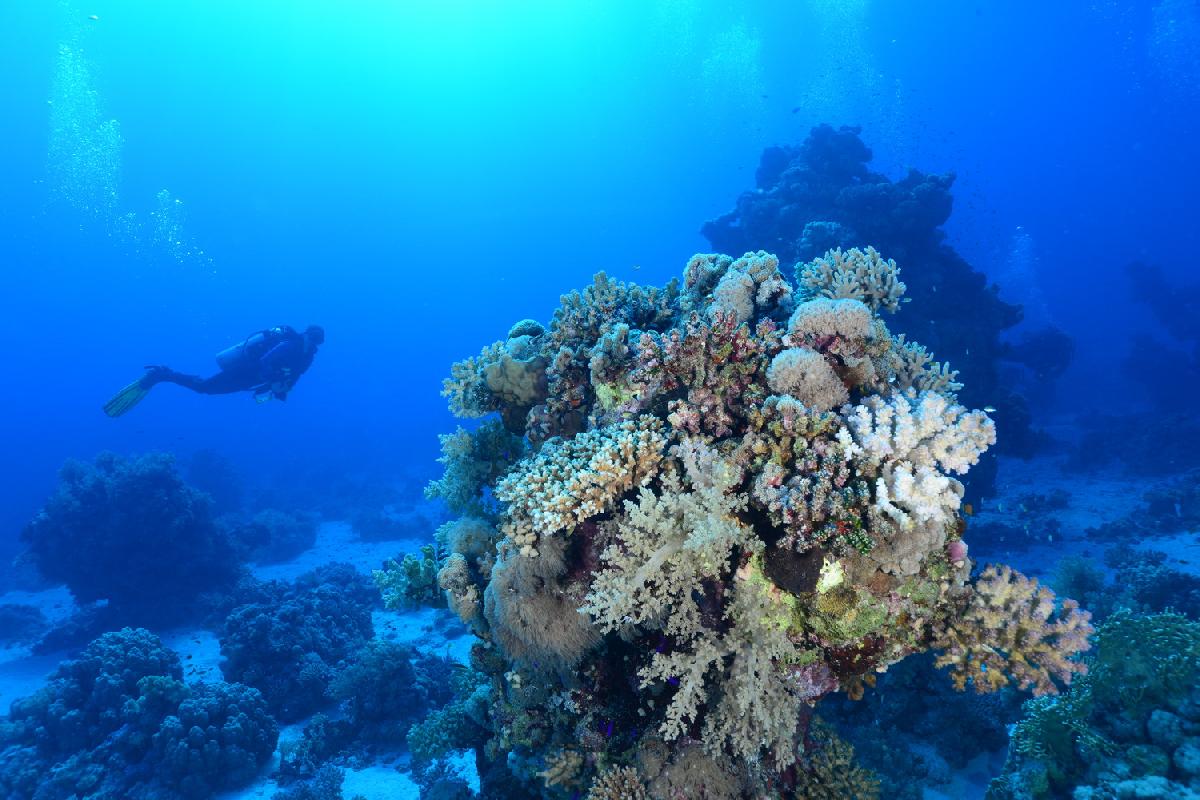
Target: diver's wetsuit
<point x="269" y="367"/>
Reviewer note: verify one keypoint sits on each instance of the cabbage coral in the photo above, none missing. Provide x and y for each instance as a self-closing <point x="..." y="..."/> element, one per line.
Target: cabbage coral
<point x="734" y="504"/>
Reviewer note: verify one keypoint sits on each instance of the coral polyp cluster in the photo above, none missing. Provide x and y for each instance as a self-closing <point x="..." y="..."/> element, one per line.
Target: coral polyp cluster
<point x="739" y="497"/>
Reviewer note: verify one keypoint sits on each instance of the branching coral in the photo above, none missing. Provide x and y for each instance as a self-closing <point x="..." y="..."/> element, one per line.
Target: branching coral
<point x="1011" y="626"/>
<point x="412" y="581"/>
<point x="750" y="287"/>
<point x="854" y="274"/>
<point x="718" y="366"/>
<point x="473" y="460"/>
<point x="909" y="440"/>
<point x="569" y="481"/>
<point x="618" y="783"/>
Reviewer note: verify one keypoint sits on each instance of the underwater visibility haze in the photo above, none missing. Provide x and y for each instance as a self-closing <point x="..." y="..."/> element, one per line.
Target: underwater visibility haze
<point x="595" y="400"/>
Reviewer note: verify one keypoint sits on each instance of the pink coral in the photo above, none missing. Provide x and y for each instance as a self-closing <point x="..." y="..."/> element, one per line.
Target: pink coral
<point x="721" y="363"/>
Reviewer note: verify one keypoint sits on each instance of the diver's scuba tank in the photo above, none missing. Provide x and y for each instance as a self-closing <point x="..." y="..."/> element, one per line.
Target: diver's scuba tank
<point x="252" y="346"/>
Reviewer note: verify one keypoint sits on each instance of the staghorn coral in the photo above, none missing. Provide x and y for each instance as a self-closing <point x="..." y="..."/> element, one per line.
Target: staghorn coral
<point x="1011" y="626"/>
<point x="569" y="481"/>
<point x="733" y="508"/>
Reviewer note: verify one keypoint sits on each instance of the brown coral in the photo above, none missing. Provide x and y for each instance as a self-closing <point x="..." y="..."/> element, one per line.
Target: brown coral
<point x="618" y="783"/>
<point x="1010" y="625"/>
<point x="569" y="481"/>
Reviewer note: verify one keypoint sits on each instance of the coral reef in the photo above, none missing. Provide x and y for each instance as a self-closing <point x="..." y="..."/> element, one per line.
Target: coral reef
<point x="821" y="195"/>
<point x="383" y="690"/>
<point x="1142" y="582"/>
<point x="291" y="642"/>
<point x="271" y="536"/>
<point x="739" y="499"/>
<point x="1128" y="728"/>
<point x="131" y="532"/>
<point x="119" y="722"/>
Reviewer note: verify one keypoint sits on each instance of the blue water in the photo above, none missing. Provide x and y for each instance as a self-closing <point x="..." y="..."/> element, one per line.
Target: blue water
<point x="416" y="176"/>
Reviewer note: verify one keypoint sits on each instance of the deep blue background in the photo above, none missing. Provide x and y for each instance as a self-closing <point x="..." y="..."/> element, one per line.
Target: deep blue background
<point x="416" y="176"/>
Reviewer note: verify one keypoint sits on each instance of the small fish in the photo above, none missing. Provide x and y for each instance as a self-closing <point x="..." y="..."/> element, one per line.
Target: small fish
<point x="989" y="409"/>
<point x="968" y="509"/>
<point x="636" y="267"/>
<point x="94" y="17"/>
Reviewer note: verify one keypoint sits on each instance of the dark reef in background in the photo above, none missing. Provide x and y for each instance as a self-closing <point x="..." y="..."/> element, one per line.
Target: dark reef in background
<point x="821" y="195"/>
<point x="1169" y="373"/>
<point x="132" y="533"/>
<point x="118" y="722"/>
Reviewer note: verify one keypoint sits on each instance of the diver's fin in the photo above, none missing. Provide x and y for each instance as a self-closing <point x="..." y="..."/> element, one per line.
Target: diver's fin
<point x="127" y="398"/>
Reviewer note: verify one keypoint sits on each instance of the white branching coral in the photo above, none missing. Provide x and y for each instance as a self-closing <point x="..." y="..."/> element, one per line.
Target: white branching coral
<point x="569" y="481"/>
<point x="923" y="429"/>
<point x="911" y="441"/>
<point x="855" y="275"/>
<point x="807" y="376"/>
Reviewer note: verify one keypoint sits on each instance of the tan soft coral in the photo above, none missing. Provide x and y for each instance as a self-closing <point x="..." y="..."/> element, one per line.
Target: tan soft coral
<point x="569" y="481"/>
<point x="1009" y="625"/>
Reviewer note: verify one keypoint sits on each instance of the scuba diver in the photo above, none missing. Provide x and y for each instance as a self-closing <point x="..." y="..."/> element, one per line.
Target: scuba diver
<point x="267" y="363"/>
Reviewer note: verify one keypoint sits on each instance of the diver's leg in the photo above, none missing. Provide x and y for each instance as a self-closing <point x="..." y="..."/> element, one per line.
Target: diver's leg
<point x="221" y="383"/>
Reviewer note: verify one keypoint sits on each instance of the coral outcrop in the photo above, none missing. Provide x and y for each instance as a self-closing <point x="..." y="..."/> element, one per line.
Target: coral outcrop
<point x="131" y="532"/>
<point x="740" y="497"/>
